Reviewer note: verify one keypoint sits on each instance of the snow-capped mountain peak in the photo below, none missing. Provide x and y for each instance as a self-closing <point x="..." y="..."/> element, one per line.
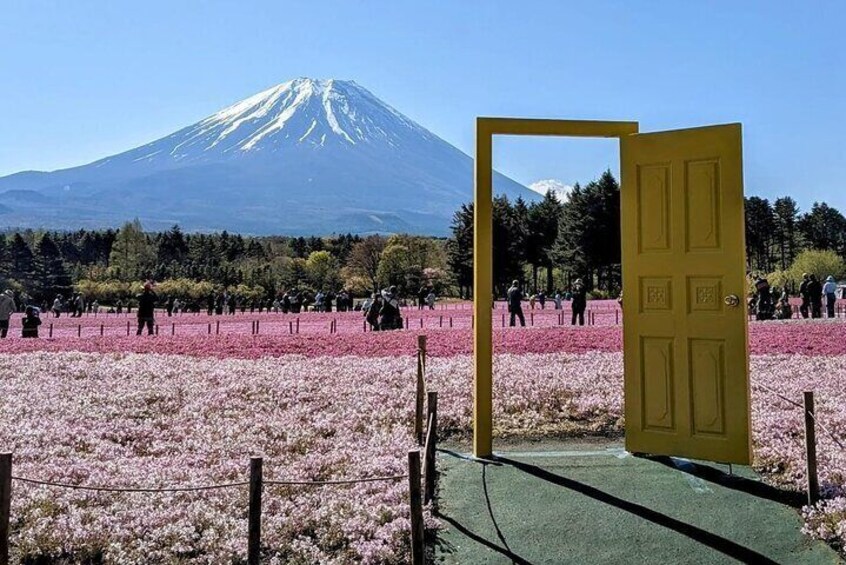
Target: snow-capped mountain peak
<point x="330" y="151"/>
<point x="559" y="188"/>
<point x="300" y="111"/>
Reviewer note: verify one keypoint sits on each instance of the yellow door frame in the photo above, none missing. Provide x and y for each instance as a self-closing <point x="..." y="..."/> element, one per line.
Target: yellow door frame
<point x="486" y="128"/>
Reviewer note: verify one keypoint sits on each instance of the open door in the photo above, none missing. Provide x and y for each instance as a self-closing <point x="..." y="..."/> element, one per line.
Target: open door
<point x="685" y="334"/>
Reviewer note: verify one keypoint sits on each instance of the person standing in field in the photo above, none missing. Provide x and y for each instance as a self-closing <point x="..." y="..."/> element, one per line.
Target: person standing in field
<point x="557" y="300"/>
<point x="421" y="297"/>
<point x="430" y="298"/>
<point x="815" y="295"/>
<point x="146" y="309"/>
<point x="30" y="322"/>
<point x="514" y="298"/>
<point x="542" y="299"/>
<point x="829" y="289"/>
<point x="579" y="303"/>
<point x="389" y="315"/>
<point x="371" y="313"/>
<point x="57" y="306"/>
<point x="7" y="308"/>
<point x="805" y="294"/>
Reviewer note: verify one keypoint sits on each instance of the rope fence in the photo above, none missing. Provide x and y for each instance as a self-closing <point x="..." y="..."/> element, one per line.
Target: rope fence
<point x="812" y="421"/>
<point x="129" y="489"/>
<point x="421" y="476"/>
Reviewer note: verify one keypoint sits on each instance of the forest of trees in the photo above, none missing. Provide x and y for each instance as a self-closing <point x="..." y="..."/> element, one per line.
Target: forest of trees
<point x="547" y="244"/>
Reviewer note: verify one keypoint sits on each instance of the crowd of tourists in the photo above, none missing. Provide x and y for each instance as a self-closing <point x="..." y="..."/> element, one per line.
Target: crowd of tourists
<point x="577" y="296"/>
<point x="382" y="310"/>
<point x="769" y="303"/>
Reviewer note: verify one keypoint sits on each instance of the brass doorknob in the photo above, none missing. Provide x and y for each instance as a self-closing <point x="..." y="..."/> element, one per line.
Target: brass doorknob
<point x="732" y="300"/>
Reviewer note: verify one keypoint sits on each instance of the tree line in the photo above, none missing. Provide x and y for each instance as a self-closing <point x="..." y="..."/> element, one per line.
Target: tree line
<point x="110" y="265"/>
<point x="547" y="244"/>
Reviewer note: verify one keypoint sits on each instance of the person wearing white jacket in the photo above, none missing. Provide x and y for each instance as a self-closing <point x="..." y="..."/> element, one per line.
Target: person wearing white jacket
<point x="830" y="292"/>
<point x="7" y="308"/>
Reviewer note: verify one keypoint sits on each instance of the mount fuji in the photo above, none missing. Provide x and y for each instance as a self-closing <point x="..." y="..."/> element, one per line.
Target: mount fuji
<point x="304" y="157"/>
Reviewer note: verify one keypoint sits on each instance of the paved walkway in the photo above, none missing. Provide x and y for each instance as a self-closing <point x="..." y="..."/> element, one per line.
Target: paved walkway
<point x="597" y="504"/>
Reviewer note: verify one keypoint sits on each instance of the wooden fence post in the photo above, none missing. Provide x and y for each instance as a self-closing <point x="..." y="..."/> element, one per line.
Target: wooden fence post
<point x="421" y="389"/>
<point x="217" y="328"/>
<point x="290" y="327"/>
<point x="416" y="506"/>
<point x="811" y="449"/>
<point x="127" y="327"/>
<point x="79" y="330"/>
<point x="298" y="326"/>
<point x="209" y="328"/>
<point x="531" y="318"/>
<point x="254" y="521"/>
<point x="431" y="446"/>
<point x="102" y="329"/>
<point x="258" y="328"/>
<point x="173" y="328"/>
<point x="5" y="505"/>
<point x="51" y="329"/>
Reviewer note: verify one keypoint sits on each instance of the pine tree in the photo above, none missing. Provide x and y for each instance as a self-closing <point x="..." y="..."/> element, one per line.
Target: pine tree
<point x="760" y="226"/>
<point x="21" y="261"/>
<point x="824" y="228"/>
<point x="786" y="215"/>
<point x="459" y="249"/>
<point x="51" y="275"/>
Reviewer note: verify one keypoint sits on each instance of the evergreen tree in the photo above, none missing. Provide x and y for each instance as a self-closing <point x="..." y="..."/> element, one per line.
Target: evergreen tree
<point x="459" y="249"/>
<point x="824" y="228"/>
<point x="172" y="246"/>
<point x="21" y="262"/>
<point x="542" y="233"/>
<point x="51" y="276"/>
<point x="786" y="215"/>
<point x="760" y="226"/>
<point x="509" y="242"/>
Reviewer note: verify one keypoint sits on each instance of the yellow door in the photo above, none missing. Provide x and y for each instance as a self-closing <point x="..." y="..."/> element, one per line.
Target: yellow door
<point x="686" y="364"/>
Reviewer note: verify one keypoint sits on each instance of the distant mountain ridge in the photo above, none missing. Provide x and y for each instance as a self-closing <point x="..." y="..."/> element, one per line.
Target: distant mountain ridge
<point x="304" y="157"/>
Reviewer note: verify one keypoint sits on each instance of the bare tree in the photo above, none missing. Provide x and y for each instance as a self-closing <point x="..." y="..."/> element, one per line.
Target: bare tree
<point x="364" y="259"/>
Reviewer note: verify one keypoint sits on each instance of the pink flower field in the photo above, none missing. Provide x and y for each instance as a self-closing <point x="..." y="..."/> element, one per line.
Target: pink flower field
<point x="191" y="409"/>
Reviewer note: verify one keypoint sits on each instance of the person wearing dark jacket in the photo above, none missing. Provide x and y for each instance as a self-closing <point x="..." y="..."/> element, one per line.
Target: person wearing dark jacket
<point x="30" y="322"/>
<point x="146" y="309"/>
<point x="579" y="303"/>
<point x="815" y="295"/>
<point x="515" y="304"/>
<point x="389" y="315"/>
<point x="805" y="294"/>
<point x="372" y="312"/>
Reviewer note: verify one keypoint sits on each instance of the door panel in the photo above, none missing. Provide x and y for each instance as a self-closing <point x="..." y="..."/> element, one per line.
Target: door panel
<point x="686" y="361"/>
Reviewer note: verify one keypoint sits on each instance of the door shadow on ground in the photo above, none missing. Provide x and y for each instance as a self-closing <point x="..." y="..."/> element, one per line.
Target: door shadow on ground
<point x="503" y="549"/>
<point x="733" y="482"/>
<point x="718" y="543"/>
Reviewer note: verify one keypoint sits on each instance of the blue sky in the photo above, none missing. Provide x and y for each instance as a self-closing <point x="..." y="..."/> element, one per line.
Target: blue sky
<point x="85" y="79"/>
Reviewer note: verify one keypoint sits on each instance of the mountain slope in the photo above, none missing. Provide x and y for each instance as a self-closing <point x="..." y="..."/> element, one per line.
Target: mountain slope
<point x="306" y="156"/>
